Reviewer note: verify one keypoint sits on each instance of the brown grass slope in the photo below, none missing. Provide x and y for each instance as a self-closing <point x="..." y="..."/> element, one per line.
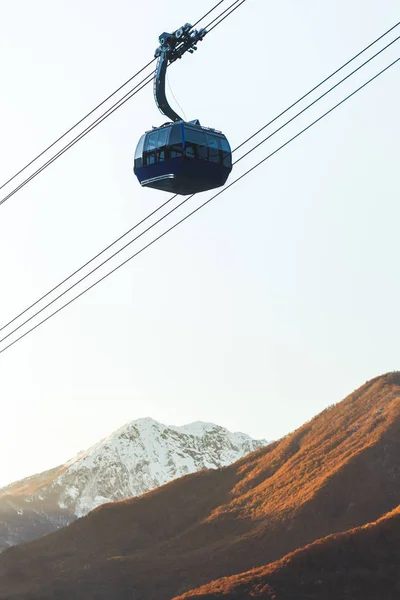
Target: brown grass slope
<point x="361" y="564"/>
<point x="339" y="471"/>
<point x="31" y="485"/>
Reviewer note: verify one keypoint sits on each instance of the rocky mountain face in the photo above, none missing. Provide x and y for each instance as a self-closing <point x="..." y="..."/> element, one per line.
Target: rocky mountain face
<point x="136" y="458"/>
<point x="337" y="472"/>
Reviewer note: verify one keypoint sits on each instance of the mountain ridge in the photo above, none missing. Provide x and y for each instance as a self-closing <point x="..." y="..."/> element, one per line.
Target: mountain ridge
<point x="361" y="562"/>
<point x="338" y="471"/>
<point x="132" y="460"/>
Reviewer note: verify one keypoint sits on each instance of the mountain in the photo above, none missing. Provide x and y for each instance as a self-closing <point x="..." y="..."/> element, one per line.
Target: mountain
<point x="360" y="564"/>
<point x="136" y="458"/>
<point x="337" y="472"/>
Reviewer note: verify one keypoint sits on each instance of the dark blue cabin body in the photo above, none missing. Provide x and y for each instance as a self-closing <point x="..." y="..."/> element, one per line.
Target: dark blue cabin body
<point x="183" y="158"/>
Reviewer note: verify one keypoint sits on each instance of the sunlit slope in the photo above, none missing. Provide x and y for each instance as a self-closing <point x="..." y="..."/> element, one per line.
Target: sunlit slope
<point x="361" y="564"/>
<point x="337" y="472"/>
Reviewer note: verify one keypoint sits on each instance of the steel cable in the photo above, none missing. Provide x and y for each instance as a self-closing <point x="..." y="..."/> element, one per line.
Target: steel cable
<point x="76" y="125"/>
<point x="100" y="119"/>
<point x="199" y="207"/>
<point x="235" y="149"/>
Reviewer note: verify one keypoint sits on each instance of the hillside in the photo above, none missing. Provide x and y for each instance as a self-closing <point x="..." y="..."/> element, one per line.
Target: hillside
<point x="360" y="564"/>
<point x="337" y="472"/>
<point x="136" y="458"/>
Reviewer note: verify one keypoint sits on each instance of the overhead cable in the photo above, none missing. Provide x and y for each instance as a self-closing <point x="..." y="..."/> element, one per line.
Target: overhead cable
<point x="76" y="125"/>
<point x="148" y="79"/>
<point x="328" y="77"/>
<point x="235" y="149"/>
<point x="311" y="103"/>
<point x="202" y="205"/>
<point x="209" y="12"/>
<point x="238" y="3"/>
<point x="96" y="107"/>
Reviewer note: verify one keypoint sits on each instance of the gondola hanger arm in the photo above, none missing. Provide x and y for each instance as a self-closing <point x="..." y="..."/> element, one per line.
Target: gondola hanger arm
<point x="173" y="46"/>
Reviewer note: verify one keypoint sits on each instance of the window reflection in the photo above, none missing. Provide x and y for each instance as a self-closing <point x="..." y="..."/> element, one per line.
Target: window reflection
<point x="166" y="143"/>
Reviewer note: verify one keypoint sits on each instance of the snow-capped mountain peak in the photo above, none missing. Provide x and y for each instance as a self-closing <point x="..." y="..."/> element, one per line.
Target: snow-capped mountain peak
<point x="134" y="459"/>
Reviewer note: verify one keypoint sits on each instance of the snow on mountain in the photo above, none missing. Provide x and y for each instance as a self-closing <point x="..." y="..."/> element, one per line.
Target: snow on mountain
<point x="135" y="459"/>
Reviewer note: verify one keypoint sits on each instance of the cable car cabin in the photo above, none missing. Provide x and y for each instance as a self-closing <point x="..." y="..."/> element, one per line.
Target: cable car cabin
<point x="183" y="158"/>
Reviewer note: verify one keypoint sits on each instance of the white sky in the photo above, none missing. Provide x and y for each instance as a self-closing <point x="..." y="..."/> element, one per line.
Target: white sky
<point x="279" y="298"/>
